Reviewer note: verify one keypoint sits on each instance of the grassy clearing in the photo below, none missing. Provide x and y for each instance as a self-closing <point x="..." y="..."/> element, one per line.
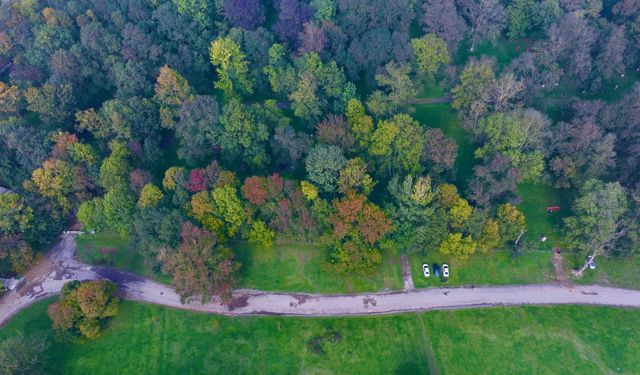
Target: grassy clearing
<point x="612" y="89"/>
<point x="443" y="117"/>
<point x="503" y="50"/>
<point x="303" y="268"/>
<point x="623" y="272"/>
<point x="148" y="339"/>
<point x="535" y="199"/>
<point x="493" y="268"/>
<point x="109" y="249"/>
<point x="431" y="91"/>
<point x="285" y="267"/>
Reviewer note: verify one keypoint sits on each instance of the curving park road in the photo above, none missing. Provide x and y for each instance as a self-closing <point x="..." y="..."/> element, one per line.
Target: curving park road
<point x="60" y="266"/>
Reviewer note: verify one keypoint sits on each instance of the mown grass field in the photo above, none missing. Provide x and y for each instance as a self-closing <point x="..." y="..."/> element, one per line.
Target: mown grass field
<point x="285" y="267"/>
<point x="623" y="272"/>
<point x="148" y="339"/>
<point x="492" y="268"/>
<point x="535" y="199"/>
<point x="303" y="267"/>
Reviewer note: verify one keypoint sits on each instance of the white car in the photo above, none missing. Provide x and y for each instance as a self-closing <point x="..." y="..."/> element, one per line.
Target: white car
<point x="425" y="270"/>
<point x="445" y="270"/>
<point x="592" y="264"/>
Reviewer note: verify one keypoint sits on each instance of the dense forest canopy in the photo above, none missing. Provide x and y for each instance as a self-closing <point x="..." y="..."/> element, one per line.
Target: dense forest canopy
<point x="184" y="124"/>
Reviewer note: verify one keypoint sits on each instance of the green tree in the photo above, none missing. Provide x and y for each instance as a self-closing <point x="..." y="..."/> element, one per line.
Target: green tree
<point x="243" y="134"/>
<point x="119" y="207"/>
<point x="201" y="11"/>
<point x="232" y="68"/>
<point x="171" y="90"/>
<point x="9" y="99"/>
<point x="325" y="9"/>
<point x="398" y="143"/>
<point x="323" y="165"/>
<point x="306" y="103"/>
<point x="601" y="217"/>
<point x="458" y="246"/>
<point x="91" y="215"/>
<point x="416" y="225"/>
<point x="475" y="79"/>
<point x="518" y="135"/>
<point x="230" y="208"/>
<point x="398" y="85"/>
<point x="361" y="124"/>
<point x="150" y="195"/>
<point x="429" y="54"/>
<point x="83" y="306"/>
<point x="58" y="181"/>
<point x="15" y="215"/>
<point x="115" y="169"/>
<point x="22" y="355"/>
<point x="354" y="177"/>
<point x="511" y="222"/>
<point x="261" y="235"/>
<point x="309" y="190"/>
<point x="53" y="103"/>
<point x="459" y="213"/>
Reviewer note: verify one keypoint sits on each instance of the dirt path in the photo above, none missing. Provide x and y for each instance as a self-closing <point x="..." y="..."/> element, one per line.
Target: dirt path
<point x="558" y="266"/>
<point x="407" y="278"/>
<point x="59" y="266"/>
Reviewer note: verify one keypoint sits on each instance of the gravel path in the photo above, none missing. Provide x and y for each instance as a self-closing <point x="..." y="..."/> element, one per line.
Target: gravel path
<point x="59" y="266"/>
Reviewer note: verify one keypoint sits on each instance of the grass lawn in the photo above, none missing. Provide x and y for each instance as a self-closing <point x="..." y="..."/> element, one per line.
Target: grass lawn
<point x="504" y="50"/>
<point x="608" y="92"/>
<point x="443" y="117"/>
<point x="432" y="90"/>
<point x="535" y="199"/>
<point x="484" y="269"/>
<point x="109" y="249"/>
<point x="148" y="339"/>
<point x="623" y="272"/>
<point x="303" y="268"/>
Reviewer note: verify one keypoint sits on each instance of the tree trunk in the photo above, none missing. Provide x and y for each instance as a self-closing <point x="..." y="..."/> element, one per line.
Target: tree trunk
<point x="473" y="40"/>
<point x="578" y="273"/>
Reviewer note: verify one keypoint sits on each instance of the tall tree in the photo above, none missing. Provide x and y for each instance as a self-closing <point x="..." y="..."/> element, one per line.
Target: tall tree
<point x="398" y="88"/>
<point x="441" y="18"/>
<point x="231" y="66"/>
<point x="495" y="180"/>
<point x="171" y="90"/>
<point x="199" y="266"/>
<point x="247" y="14"/>
<point x="53" y="103"/>
<point x="397" y="144"/>
<point x="323" y="166"/>
<point x="601" y="217"/>
<point x="518" y="135"/>
<point x="430" y="54"/>
<point x="198" y="129"/>
<point x="486" y="19"/>
<point x="358" y="225"/>
<point x="84" y="306"/>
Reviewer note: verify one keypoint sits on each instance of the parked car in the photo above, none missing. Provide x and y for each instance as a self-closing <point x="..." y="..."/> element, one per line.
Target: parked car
<point x="425" y="270"/>
<point x="445" y="270"/>
<point x="591" y="263"/>
<point x="436" y="269"/>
